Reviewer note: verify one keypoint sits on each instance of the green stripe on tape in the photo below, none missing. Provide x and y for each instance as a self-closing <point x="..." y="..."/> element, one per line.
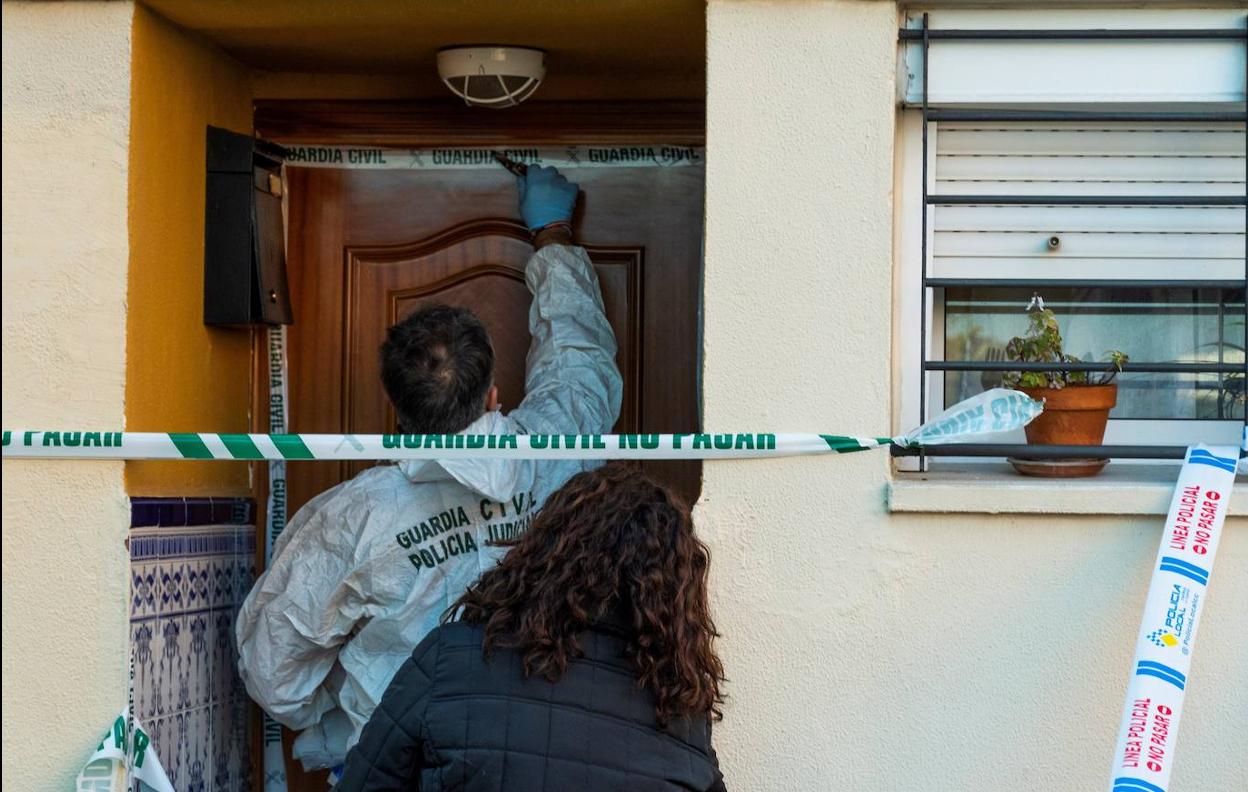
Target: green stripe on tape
<point x="241" y="446"/>
<point x="190" y="446"/>
<point x="842" y="444"/>
<point x="291" y="446"/>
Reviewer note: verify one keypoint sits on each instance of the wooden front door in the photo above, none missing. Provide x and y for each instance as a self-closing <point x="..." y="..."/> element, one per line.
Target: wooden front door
<point x="365" y="247"/>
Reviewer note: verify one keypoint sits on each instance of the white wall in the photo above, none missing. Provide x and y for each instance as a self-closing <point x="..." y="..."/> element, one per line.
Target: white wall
<point x="66" y="73"/>
<point x="868" y="651"/>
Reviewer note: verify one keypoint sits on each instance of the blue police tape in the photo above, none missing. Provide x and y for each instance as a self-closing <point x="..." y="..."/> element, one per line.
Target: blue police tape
<point x="1161" y="669"/>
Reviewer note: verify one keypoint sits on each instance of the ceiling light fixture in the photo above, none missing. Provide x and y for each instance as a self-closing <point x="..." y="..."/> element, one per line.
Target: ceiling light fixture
<point x="492" y="76"/>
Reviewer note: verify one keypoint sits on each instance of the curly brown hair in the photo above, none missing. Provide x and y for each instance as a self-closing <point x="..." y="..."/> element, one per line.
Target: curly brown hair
<point x="611" y="540"/>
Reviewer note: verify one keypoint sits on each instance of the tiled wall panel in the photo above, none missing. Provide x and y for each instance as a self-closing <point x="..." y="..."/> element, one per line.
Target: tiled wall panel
<point x="192" y="561"/>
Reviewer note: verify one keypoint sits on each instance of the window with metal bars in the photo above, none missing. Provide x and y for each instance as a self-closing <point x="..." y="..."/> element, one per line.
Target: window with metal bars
<point x="1129" y="220"/>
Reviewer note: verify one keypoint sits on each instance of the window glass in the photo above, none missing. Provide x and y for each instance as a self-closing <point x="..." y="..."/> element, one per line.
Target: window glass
<point x="1151" y="325"/>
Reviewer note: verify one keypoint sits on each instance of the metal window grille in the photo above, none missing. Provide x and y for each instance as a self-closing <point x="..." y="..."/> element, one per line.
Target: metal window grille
<point x="925" y="36"/>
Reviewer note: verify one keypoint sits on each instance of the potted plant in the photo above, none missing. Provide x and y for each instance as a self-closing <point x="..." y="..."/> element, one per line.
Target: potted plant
<point x="1076" y="403"/>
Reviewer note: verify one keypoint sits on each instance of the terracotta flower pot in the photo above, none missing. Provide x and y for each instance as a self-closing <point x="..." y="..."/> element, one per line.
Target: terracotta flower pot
<point x="1074" y="415"/>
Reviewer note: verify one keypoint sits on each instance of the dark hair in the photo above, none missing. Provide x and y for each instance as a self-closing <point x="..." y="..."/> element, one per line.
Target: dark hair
<point x="611" y="540"/>
<point x="437" y="366"/>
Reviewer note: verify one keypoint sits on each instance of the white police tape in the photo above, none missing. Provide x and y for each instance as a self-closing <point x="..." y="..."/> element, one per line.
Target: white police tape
<point x="123" y="758"/>
<point x="273" y="759"/>
<point x="113" y="766"/>
<point x="997" y="410"/>
<point x="562" y="157"/>
<point x="1160" y="672"/>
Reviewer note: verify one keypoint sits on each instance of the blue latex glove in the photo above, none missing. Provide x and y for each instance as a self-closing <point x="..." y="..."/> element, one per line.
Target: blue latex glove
<point x="545" y="197"/>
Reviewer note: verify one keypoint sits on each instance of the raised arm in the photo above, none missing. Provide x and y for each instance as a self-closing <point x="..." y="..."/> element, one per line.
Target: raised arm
<point x="572" y="383"/>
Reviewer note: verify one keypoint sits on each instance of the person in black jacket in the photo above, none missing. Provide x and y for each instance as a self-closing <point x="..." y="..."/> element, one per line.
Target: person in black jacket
<point x="584" y="661"/>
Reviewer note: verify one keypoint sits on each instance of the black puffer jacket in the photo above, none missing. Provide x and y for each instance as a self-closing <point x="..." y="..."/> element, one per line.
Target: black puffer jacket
<point x="452" y="721"/>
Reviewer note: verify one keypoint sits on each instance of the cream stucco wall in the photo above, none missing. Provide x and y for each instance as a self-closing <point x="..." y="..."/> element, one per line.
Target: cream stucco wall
<point x="65" y="250"/>
<point x="868" y="651"/>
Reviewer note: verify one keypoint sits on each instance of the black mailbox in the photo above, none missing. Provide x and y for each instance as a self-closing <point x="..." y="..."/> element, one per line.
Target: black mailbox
<point x="244" y="250"/>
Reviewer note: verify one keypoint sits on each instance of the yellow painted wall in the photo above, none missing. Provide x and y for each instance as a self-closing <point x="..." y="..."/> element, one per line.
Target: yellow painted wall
<point x="66" y="101"/>
<point x="180" y="375"/>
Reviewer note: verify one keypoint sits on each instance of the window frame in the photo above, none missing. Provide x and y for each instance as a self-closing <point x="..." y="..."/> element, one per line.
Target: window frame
<point x="919" y="319"/>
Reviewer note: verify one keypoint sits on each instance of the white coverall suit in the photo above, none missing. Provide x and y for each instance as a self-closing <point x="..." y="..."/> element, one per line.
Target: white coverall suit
<point x="365" y="570"/>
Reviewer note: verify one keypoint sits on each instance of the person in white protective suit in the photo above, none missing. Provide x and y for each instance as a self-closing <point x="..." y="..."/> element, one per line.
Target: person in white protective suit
<point x="365" y="570"/>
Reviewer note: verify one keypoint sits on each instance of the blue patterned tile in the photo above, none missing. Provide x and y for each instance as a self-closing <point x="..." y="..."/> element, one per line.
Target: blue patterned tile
<point x="224" y="666"/>
<point x="175" y="586"/>
<point x="245" y="546"/>
<point x="240" y="743"/>
<point x="144" y="544"/>
<point x="199" y="584"/>
<point x="144" y="511"/>
<point x="243" y="511"/>
<point x="197" y="749"/>
<point x="169" y="664"/>
<point x="197" y="654"/>
<point x="144" y="647"/>
<point x="179" y="733"/>
<point x="182" y="688"/>
<point x="172" y="512"/>
<point x="223" y="569"/>
<point x="244" y="577"/>
<point x="222" y="581"/>
<point x="199" y="511"/>
<point x="222" y="511"/>
<point x="186" y="586"/>
<point x="164" y="736"/>
<point x="144" y="589"/>
<point x="222" y="729"/>
<point x="180" y="512"/>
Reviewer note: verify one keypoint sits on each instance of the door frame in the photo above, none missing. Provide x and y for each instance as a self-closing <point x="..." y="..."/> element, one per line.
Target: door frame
<point x="433" y="123"/>
<point x="424" y="123"/>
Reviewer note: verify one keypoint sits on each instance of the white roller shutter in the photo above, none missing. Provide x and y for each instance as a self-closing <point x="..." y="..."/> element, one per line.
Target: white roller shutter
<point x="1103" y="242"/>
<point x="1075" y="73"/>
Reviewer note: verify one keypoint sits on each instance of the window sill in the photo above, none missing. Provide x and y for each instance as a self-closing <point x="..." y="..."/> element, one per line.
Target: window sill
<point x="997" y="489"/>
